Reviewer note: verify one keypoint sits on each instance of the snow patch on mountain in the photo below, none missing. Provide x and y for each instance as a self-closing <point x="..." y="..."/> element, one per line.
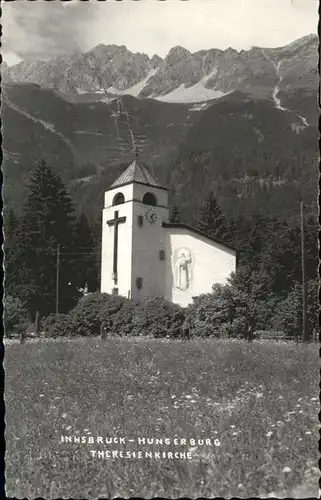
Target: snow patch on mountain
<point x="80" y="91"/>
<point x="107" y="100"/>
<point x="134" y="90"/>
<point x="199" y="106"/>
<point x="196" y="93"/>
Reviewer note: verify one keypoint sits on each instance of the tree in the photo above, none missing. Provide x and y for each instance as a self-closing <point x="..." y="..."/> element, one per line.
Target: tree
<point x="237" y="309"/>
<point x="47" y="221"/>
<point x="86" y="254"/>
<point x="245" y="303"/>
<point x="11" y="250"/>
<point x="252" y="297"/>
<point x="289" y="314"/>
<point x="209" y="314"/>
<point x="15" y="316"/>
<point x="175" y="215"/>
<point x="211" y="220"/>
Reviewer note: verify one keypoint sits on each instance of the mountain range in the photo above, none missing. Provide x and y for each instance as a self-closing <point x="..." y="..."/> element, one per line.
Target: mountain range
<point x="181" y="75"/>
<point x="213" y="119"/>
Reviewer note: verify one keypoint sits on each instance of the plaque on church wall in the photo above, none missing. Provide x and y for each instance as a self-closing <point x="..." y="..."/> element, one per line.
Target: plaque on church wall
<point x="160" y="221"/>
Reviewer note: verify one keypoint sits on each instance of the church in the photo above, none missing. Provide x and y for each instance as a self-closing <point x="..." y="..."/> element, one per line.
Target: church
<point x="144" y="255"/>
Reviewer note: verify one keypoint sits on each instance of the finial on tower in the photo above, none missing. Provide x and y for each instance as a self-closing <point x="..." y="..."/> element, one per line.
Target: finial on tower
<point x="137" y="151"/>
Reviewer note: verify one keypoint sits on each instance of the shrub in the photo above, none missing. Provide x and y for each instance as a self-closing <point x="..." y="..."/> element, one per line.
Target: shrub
<point x="123" y="320"/>
<point x="15" y="316"/>
<point x="157" y="317"/>
<point x="207" y="315"/>
<point x="236" y="309"/>
<point x="93" y="309"/>
<point x="92" y="313"/>
<point x="109" y="308"/>
<point x="56" y="326"/>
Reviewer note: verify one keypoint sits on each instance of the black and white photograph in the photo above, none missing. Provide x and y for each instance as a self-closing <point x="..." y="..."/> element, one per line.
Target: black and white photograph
<point x="160" y="213"/>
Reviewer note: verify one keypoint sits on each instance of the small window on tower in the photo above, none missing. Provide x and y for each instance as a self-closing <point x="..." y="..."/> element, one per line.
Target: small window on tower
<point x="140" y="220"/>
<point x="139" y="283"/>
<point x="161" y="255"/>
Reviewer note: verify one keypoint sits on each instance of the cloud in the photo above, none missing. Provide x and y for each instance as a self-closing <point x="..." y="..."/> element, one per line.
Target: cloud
<point x="48" y="28"/>
<point x="43" y="29"/>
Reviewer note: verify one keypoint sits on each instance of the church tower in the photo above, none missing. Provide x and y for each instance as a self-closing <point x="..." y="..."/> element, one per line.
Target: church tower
<point x="133" y="235"/>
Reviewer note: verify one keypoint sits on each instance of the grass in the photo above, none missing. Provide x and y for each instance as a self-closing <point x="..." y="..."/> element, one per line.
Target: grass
<point x="260" y="401"/>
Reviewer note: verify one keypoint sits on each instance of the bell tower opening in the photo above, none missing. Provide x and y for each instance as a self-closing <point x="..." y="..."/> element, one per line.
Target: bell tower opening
<point x="118" y="199"/>
<point x="149" y="199"/>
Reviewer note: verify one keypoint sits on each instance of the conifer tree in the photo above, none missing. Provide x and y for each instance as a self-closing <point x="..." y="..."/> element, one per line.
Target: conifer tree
<point x="47" y="221"/>
<point x="211" y="220"/>
<point x="175" y="215"/>
<point x="86" y="254"/>
<point x="11" y="224"/>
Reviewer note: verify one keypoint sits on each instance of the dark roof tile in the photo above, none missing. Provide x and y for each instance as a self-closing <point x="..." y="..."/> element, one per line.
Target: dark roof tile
<point x="137" y="172"/>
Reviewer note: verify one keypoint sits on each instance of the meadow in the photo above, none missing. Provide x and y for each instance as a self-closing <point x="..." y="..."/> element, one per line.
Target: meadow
<point x="258" y="401"/>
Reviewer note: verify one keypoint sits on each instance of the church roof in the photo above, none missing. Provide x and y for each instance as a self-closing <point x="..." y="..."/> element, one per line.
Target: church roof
<point x="137" y="172"/>
<point x="179" y="225"/>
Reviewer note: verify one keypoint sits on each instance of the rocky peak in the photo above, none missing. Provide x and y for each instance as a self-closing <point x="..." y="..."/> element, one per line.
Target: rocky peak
<point x="155" y="61"/>
<point x="177" y="53"/>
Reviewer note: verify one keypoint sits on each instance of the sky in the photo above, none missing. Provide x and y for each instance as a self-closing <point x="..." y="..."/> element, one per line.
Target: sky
<point x="42" y="29"/>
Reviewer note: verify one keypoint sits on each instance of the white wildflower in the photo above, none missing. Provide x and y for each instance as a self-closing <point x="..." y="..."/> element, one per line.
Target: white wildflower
<point x="286" y="469"/>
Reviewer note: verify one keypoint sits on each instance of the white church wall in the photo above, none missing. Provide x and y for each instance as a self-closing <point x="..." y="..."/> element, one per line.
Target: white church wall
<point x="210" y="263"/>
<point x="148" y="241"/>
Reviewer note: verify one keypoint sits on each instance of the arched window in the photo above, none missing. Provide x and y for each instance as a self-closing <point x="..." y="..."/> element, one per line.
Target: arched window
<point x="149" y="199"/>
<point x="118" y="199"/>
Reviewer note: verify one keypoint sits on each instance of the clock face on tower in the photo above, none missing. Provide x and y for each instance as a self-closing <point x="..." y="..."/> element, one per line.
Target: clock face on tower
<point x="150" y="216"/>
